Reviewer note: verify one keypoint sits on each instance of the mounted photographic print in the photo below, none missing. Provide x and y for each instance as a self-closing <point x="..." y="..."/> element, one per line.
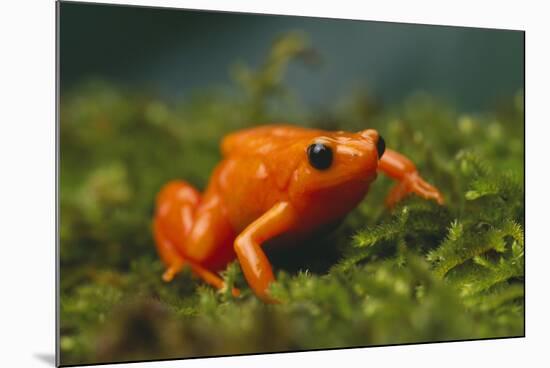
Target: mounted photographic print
<point x="233" y="183"/>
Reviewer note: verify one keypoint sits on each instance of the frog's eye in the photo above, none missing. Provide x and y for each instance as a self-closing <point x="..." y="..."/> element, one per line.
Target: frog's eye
<point x="319" y="156"/>
<point x="380" y="146"/>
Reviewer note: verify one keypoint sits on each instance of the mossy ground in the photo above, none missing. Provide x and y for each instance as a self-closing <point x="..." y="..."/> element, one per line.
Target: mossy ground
<point x="418" y="273"/>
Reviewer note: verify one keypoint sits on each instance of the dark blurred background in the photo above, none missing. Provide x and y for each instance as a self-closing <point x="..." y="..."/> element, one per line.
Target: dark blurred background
<point x="177" y="51"/>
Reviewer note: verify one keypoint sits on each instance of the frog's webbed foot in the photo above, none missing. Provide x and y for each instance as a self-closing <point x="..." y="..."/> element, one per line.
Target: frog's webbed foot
<point x="412" y="183"/>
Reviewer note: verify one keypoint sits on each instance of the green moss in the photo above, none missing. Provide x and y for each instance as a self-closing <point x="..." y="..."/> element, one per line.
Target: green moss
<point x="418" y="273"/>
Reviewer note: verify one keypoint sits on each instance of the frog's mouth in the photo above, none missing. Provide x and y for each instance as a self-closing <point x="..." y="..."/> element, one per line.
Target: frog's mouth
<point x="342" y="180"/>
<point x="370" y="178"/>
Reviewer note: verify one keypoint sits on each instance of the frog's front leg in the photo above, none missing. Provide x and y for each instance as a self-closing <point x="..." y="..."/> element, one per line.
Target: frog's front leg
<point x="254" y="263"/>
<point x="400" y="168"/>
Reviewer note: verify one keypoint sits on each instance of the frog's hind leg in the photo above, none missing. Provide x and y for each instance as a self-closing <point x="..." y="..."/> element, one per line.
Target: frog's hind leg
<point x="168" y="252"/>
<point x="176" y="208"/>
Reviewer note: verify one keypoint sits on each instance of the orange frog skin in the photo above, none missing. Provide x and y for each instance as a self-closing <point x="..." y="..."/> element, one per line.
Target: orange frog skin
<point x="274" y="182"/>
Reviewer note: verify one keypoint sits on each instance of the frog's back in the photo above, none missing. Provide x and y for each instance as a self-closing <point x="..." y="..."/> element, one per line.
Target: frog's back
<point x="265" y="139"/>
<point x="257" y="166"/>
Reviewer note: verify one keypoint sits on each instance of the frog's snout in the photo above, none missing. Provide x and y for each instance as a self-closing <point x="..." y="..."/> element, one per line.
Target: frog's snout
<point x="372" y="136"/>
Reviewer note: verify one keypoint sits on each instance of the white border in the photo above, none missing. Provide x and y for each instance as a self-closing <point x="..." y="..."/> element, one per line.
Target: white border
<point x="27" y="181"/>
<point x="473" y="14"/>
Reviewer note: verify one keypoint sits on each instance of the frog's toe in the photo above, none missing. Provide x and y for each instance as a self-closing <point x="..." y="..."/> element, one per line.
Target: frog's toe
<point x="397" y="193"/>
<point x="235" y="292"/>
<point x="426" y="190"/>
<point x="171" y="272"/>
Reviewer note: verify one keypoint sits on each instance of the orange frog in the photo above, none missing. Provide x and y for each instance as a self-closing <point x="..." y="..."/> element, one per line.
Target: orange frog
<point x="277" y="182"/>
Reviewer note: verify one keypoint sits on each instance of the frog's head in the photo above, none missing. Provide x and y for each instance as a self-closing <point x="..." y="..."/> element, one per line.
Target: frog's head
<point x="338" y="159"/>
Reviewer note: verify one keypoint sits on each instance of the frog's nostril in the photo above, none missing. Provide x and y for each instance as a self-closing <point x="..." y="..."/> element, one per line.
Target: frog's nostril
<point x="380" y="146"/>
